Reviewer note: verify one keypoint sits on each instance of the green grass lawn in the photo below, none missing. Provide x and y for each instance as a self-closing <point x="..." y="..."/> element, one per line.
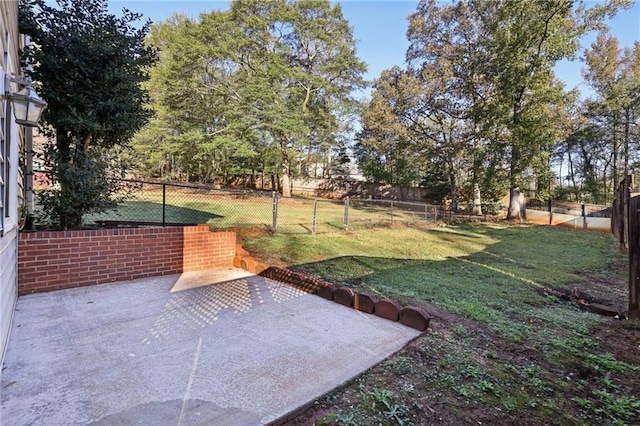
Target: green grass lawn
<point x="503" y="348"/>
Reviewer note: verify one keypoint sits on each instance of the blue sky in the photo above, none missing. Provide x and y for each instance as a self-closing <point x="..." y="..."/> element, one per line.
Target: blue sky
<point x="380" y="28"/>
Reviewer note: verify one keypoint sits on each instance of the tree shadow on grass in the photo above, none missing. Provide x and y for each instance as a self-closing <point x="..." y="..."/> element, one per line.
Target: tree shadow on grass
<point x="516" y="270"/>
<point x="446" y="283"/>
<point x="146" y="211"/>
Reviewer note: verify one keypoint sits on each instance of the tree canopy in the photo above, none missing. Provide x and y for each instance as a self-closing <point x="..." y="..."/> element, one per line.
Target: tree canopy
<point x="475" y="112"/>
<point x="257" y="86"/>
<point x="478" y="98"/>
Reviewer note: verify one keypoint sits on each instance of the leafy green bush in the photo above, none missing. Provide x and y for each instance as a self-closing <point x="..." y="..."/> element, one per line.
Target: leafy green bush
<point x="90" y="189"/>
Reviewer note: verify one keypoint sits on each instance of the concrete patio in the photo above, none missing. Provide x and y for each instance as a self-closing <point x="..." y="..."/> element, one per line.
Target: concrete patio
<point x="213" y="347"/>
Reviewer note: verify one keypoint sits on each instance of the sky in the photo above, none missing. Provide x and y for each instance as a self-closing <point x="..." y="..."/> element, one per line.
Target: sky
<point x="380" y="29"/>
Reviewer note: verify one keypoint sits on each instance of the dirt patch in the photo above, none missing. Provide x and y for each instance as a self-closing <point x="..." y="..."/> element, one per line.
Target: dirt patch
<point x="602" y="289"/>
<point x="621" y="338"/>
<point x="607" y="288"/>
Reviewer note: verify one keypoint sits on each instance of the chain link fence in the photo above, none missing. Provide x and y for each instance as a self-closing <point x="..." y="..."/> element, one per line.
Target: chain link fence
<point x="169" y="204"/>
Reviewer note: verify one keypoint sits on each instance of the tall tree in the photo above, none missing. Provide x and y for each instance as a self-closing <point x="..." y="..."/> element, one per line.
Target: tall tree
<point x="614" y="75"/>
<point x="265" y="75"/>
<point x="387" y="150"/>
<point x="90" y="65"/>
<point x="525" y="39"/>
<point x="445" y="52"/>
<point x="197" y="134"/>
<point x="304" y="59"/>
<point x="488" y="67"/>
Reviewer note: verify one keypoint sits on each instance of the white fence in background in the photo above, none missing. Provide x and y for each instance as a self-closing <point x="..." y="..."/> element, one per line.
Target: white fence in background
<point x="570" y="221"/>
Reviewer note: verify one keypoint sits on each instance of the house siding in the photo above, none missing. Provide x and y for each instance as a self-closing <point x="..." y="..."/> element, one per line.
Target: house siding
<point x="13" y="184"/>
<point x="8" y="283"/>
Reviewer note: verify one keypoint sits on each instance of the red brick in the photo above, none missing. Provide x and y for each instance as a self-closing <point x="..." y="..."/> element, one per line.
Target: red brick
<point x="415" y="317"/>
<point x="67" y="255"/>
<point x="244" y="262"/>
<point x="251" y="264"/>
<point x="388" y="309"/>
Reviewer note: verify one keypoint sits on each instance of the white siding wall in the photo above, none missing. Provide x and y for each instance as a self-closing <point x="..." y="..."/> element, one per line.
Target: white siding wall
<point x="8" y="284"/>
<point x="9" y="38"/>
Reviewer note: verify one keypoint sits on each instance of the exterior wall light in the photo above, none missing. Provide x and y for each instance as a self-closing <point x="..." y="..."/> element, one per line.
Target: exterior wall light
<point x="27" y="105"/>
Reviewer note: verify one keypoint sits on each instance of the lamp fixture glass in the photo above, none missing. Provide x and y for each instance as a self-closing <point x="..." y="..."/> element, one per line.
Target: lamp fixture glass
<point x="27" y="106"/>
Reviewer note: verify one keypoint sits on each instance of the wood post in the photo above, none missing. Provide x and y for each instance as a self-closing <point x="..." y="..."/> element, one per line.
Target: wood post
<point x="620" y="212"/>
<point x="633" y="222"/>
<point x="625" y="225"/>
<point x="626" y="195"/>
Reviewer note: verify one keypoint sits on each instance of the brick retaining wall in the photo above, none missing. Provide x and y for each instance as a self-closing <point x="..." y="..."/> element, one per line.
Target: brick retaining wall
<point x="53" y="260"/>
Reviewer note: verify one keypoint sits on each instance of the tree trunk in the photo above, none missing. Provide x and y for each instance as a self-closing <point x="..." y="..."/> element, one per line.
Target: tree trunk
<point x="615" y="149"/>
<point x="560" y="171"/>
<point x="627" y="119"/>
<point x="516" y="204"/>
<point x="286" y="177"/>
<point x="571" y="173"/>
<point x="634" y="257"/>
<point x="605" y="183"/>
<point x="286" y="185"/>
<point x="477" y="202"/>
<point x="454" y="191"/>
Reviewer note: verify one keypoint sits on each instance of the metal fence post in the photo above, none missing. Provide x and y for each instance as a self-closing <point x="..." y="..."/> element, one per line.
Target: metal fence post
<point x="315" y="211"/>
<point x="274" y="223"/>
<point x="164" y="204"/>
<point x="391" y="210"/>
<point x="346" y="213"/>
